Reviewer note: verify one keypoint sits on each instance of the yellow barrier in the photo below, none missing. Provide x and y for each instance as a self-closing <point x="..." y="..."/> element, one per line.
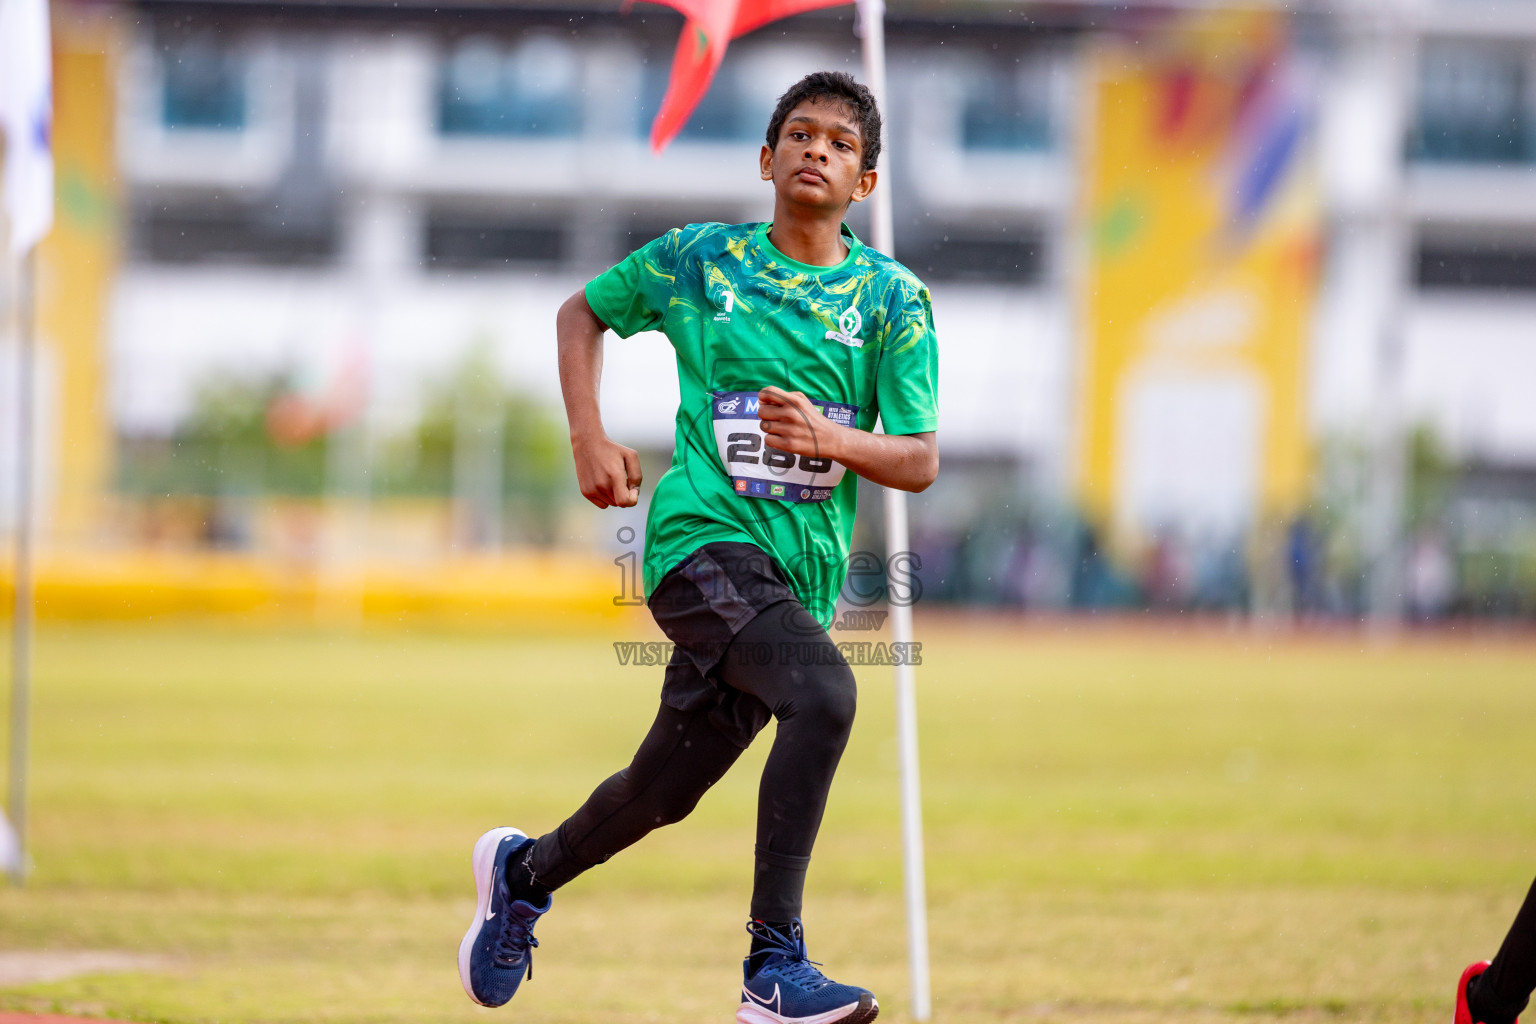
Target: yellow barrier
<point x="525" y="590"/>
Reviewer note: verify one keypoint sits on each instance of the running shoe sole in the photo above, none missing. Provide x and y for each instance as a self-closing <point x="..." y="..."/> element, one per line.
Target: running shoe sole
<point x="866" y="1010"/>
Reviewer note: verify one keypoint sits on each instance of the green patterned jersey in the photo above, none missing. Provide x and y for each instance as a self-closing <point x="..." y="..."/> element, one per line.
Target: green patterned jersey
<point x="857" y="338"/>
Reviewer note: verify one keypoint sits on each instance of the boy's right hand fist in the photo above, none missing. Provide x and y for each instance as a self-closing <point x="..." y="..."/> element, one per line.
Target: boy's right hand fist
<point x="607" y="472"/>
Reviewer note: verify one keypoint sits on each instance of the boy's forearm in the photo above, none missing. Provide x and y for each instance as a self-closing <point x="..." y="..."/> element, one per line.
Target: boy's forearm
<point x="579" y="335"/>
<point x="607" y="473"/>
<point x="907" y="462"/>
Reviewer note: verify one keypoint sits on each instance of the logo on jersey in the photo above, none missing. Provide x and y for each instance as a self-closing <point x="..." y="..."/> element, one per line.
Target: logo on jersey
<point x="729" y="406"/>
<point x="726" y="300"/>
<point x="849" y="324"/>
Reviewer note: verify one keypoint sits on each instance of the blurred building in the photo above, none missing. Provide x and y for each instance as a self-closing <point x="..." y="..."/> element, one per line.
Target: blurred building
<point x="425" y="180"/>
<point x="305" y="182"/>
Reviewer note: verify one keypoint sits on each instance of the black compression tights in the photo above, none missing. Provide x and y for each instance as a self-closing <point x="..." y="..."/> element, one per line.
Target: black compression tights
<point x="683" y="755"/>
<point x="1502" y="992"/>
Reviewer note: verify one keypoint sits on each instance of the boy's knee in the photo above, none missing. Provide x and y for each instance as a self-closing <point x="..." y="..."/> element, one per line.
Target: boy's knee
<point x="833" y="697"/>
<point x="670" y="808"/>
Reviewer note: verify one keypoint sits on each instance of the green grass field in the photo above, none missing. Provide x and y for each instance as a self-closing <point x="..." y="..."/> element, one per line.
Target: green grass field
<point x="1124" y="825"/>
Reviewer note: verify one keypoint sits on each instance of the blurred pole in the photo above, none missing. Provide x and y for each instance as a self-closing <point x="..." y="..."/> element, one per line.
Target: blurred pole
<point x="347" y="490"/>
<point x="871" y="24"/>
<point x="477" y="462"/>
<point x="21" y="621"/>
<point x="1385" y="516"/>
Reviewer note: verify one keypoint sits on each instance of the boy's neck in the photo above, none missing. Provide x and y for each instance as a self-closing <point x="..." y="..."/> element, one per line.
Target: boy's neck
<point x="814" y="238"/>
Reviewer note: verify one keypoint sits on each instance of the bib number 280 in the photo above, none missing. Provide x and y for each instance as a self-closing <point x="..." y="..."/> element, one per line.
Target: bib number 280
<point x="743" y="447"/>
<point x="760" y="471"/>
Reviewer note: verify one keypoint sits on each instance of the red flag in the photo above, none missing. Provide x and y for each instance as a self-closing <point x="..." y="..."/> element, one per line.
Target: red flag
<point x="712" y="24"/>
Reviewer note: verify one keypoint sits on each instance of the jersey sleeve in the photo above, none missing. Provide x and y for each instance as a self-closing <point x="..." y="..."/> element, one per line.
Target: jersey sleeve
<point x="907" y="382"/>
<point x="633" y="295"/>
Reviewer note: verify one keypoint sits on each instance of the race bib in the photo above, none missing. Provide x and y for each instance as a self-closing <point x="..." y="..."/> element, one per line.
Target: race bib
<point x="758" y="471"/>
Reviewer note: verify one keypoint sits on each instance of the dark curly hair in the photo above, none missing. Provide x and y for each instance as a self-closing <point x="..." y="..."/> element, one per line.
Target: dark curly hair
<point x="840" y="88"/>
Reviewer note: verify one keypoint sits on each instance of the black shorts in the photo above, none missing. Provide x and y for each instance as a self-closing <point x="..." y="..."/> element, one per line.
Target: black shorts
<point x="701" y="604"/>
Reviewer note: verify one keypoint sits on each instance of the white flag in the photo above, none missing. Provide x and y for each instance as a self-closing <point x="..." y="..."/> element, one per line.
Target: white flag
<point x="10" y="848"/>
<point x="26" y="118"/>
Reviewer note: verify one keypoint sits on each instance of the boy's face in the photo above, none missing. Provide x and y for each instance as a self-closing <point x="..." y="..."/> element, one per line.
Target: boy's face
<point x="819" y="158"/>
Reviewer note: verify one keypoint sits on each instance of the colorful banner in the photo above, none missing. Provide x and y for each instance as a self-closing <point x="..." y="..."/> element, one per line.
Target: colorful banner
<point x="77" y="264"/>
<point x="1202" y="213"/>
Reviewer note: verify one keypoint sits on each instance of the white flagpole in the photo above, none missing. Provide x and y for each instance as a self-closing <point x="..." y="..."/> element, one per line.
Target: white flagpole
<point x="21" y="621"/>
<point x="26" y="119"/>
<point x="871" y="22"/>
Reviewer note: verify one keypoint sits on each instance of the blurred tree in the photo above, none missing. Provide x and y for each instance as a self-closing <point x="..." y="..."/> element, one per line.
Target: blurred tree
<point x="499" y="451"/>
<point x="225" y="448"/>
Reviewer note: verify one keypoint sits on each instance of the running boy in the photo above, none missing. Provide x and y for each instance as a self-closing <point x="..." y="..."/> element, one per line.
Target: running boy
<point x="791" y="339"/>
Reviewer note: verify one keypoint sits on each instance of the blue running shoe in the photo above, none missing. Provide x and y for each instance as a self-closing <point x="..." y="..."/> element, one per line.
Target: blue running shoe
<point x="782" y="986"/>
<point x="498" y="947"/>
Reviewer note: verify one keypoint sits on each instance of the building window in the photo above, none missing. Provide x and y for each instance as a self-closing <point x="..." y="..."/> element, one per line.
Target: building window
<point x="1000" y="256"/>
<point x="1495" y="264"/>
<point x="532" y="89"/>
<point x="1006" y="105"/>
<point x="1473" y="106"/>
<point x="725" y="114"/>
<point x="458" y="240"/>
<point x="208" y="232"/>
<point x="203" y="87"/>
